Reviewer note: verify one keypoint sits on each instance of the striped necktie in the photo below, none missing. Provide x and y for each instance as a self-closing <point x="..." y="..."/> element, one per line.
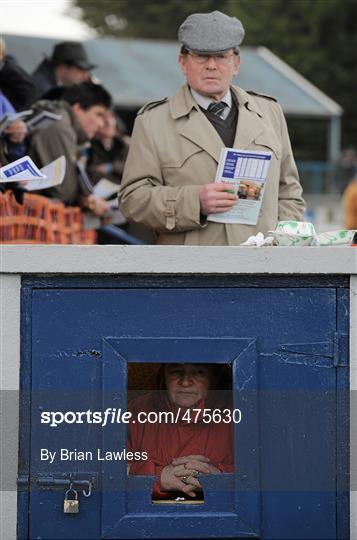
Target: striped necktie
<point x="217" y="107"/>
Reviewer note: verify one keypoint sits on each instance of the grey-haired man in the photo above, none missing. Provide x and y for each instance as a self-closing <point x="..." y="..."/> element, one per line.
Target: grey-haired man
<point x="168" y="181"/>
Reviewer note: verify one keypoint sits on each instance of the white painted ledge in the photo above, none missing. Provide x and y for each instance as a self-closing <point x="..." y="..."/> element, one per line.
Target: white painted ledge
<point x="23" y="259"/>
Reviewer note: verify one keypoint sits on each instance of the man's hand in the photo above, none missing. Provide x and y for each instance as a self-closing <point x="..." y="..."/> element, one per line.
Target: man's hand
<point x="16" y="132"/>
<point x="98" y="206"/>
<point x="216" y="198"/>
<point x="100" y="168"/>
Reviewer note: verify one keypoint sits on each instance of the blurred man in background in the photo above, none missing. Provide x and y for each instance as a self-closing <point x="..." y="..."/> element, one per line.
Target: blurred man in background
<point x="15" y="83"/>
<point x="68" y="65"/>
<point x="16" y="91"/>
<point x="108" y="151"/>
<point x="83" y="110"/>
<point x="350" y="204"/>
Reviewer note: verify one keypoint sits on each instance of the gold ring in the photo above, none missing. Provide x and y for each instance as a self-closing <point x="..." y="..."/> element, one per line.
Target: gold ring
<point x="184" y="479"/>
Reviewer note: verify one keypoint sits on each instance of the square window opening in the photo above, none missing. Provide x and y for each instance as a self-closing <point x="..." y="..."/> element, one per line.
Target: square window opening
<point x="181" y="427"/>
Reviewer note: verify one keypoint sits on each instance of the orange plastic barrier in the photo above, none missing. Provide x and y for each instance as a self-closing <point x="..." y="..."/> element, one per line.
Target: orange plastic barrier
<point x="41" y="221"/>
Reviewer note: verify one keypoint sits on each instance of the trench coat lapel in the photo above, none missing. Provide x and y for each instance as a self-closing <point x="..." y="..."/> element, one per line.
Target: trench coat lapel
<point x="250" y="120"/>
<point x="199" y="130"/>
<point x="193" y="124"/>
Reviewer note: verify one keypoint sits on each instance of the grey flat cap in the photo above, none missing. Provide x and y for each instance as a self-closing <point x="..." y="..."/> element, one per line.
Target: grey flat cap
<point x="211" y="32"/>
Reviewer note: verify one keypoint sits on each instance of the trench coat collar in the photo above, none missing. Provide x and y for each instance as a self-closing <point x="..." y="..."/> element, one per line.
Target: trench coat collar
<point x="182" y="103"/>
<point x="250" y="121"/>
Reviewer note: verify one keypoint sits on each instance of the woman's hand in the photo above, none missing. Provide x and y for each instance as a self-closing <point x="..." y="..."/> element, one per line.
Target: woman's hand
<point x="195" y="463"/>
<point x="182" y="474"/>
<point x="171" y="482"/>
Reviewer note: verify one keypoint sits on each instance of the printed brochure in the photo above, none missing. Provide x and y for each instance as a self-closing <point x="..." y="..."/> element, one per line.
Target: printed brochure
<point x="247" y="172"/>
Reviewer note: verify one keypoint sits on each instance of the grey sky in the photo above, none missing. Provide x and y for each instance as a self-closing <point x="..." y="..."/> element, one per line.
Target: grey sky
<point x="41" y="18"/>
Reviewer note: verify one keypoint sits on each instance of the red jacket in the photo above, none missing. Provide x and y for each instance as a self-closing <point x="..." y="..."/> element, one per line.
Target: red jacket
<point x="165" y="441"/>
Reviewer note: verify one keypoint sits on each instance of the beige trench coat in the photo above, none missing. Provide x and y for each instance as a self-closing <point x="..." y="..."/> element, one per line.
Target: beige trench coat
<point x="175" y="150"/>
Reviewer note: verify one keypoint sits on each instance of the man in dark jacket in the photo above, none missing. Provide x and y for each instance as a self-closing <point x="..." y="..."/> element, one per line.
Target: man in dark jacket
<point x="83" y="109"/>
<point x="68" y="65"/>
<point x="15" y="83"/>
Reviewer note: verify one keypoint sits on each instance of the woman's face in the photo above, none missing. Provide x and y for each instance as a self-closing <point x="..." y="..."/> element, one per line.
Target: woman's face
<point x="187" y="383"/>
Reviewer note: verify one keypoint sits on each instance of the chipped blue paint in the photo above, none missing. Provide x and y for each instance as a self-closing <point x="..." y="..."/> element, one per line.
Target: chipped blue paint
<point x="289" y="348"/>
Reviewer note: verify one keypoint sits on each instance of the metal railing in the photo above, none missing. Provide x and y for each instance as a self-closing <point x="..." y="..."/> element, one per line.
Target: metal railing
<point x="318" y="176"/>
<point x="321" y="177"/>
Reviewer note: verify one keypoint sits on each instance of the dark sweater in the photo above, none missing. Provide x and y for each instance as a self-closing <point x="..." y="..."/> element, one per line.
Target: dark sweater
<point x="226" y="129"/>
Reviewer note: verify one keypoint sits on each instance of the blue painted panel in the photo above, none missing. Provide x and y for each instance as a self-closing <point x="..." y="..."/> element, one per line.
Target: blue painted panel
<point x="77" y="320"/>
<point x="298" y="450"/>
<point x="236" y="496"/>
<point x="343" y="415"/>
<point x="301" y="418"/>
<point x="25" y="417"/>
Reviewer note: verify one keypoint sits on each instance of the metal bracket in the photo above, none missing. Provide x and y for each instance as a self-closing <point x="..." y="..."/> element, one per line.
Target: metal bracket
<point x="87" y="481"/>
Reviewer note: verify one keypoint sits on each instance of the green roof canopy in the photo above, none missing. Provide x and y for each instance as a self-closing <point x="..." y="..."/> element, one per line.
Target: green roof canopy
<point x="139" y="70"/>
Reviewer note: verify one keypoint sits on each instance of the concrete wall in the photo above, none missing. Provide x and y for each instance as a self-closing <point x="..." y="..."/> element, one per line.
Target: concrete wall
<point x="146" y="260"/>
<point x="9" y="392"/>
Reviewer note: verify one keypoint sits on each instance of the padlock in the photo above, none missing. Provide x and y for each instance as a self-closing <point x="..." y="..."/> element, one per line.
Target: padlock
<point x="71" y="506"/>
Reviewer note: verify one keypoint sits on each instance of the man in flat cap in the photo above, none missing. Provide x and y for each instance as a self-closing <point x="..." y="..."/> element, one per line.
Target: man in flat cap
<point x="168" y="183"/>
<point x="68" y="65"/>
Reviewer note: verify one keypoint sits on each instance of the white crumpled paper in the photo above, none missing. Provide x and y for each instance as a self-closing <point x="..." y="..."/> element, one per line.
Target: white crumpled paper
<point x="259" y="240"/>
